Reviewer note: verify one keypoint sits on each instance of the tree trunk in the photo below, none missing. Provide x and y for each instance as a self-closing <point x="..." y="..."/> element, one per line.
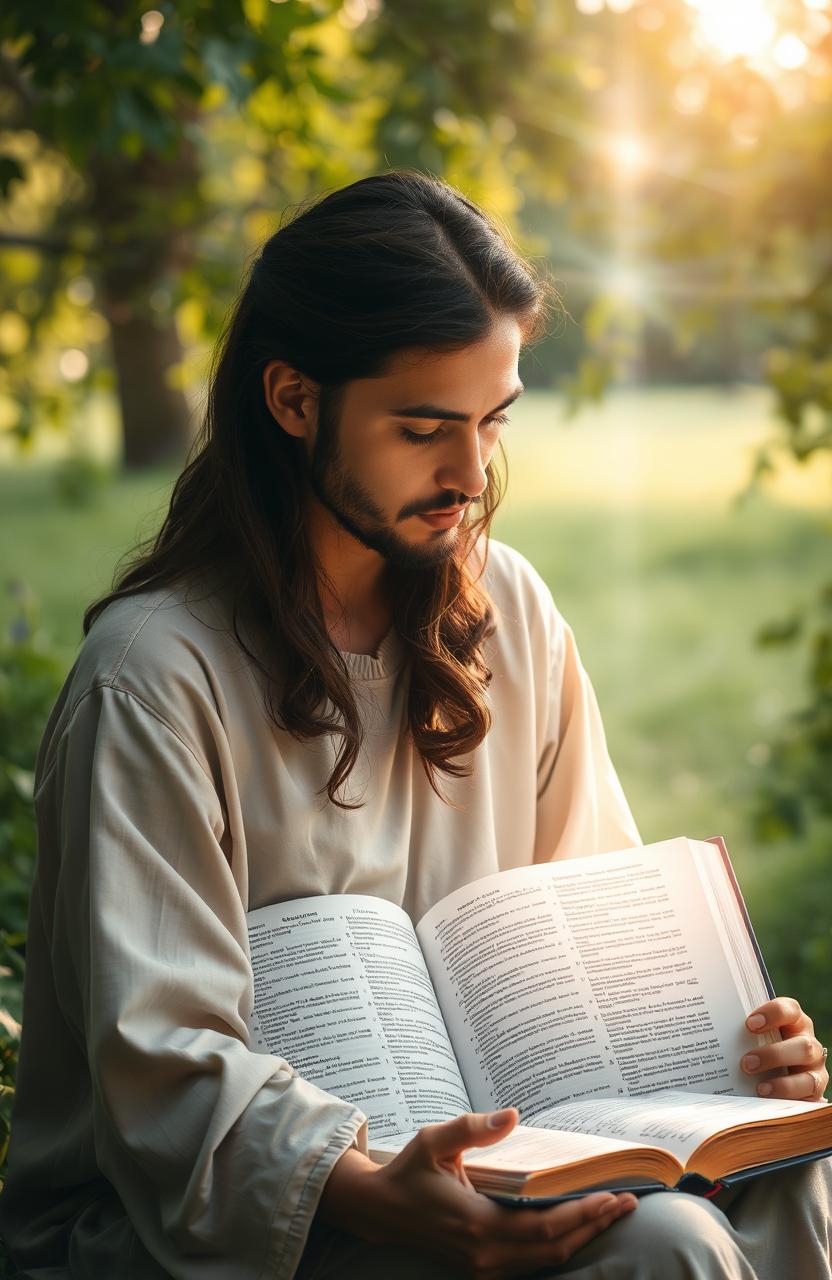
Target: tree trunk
<point x="141" y="247"/>
<point x="155" y="417"/>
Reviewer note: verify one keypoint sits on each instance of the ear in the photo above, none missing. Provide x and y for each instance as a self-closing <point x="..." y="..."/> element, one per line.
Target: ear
<point x="291" y="399"/>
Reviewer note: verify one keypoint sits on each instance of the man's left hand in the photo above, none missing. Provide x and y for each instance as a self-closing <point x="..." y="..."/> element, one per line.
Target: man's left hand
<point x="799" y="1057"/>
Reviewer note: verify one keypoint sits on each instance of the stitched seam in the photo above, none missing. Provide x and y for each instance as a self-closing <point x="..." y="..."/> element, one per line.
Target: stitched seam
<point x="115" y="669"/>
<point x="120" y="661"/>
<point x="151" y="710"/>
<point x="157" y="715"/>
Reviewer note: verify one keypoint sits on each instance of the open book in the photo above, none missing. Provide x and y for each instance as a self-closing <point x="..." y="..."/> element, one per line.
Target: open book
<point x="604" y="997"/>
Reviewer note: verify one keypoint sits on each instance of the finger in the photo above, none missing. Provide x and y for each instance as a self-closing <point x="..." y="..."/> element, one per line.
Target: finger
<point x="557" y="1248"/>
<point x="783" y="1012"/>
<point x="807" y="1086"/>
<point x="799" y="1051"/>
<point x="575" y="1239"/>
<point x="445" y="1141"/>
<point x="529" y="1226"/>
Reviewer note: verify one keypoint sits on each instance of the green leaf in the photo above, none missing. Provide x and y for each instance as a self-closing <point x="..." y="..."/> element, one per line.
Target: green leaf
<point x="328" y="88"/>
<point x="782" y="632"/>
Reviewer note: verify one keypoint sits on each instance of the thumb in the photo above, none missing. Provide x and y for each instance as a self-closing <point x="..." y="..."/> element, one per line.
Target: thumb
<point x="480" y="1129"/>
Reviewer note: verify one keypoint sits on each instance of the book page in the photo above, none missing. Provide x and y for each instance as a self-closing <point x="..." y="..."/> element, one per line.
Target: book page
<point x="524" y="1151"/>
<point x="730" y="925"/>
<point x="527" y="1149"/>
<point x="341" y="992"/>
<point x="590" y="977"/>
<point x="676" y="1120"/>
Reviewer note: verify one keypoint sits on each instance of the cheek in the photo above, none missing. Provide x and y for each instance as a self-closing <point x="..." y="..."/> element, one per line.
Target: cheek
<point x="391" y="472"/>
<point x="395" y="475"/>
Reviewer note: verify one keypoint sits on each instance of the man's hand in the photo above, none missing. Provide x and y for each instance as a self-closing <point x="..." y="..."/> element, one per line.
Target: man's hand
<point x="799" y="1057"/>
<point x="423" y="1200"/>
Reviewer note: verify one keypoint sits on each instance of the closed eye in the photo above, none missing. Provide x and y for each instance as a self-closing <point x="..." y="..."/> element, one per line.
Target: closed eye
<point x="424" y="437"/>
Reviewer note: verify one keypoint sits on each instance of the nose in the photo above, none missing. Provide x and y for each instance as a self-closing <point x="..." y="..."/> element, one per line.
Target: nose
<point x="463" y="466"/>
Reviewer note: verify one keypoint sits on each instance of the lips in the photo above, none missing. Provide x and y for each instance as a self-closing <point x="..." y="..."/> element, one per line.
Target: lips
<point x="443" y="519"/>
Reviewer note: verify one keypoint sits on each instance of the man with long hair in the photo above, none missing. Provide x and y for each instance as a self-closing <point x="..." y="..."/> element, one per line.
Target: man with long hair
<point x="321" y="678"/>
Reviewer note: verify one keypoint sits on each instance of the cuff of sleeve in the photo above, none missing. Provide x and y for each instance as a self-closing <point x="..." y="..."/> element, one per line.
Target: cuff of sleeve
<point x="351" y="1132"/>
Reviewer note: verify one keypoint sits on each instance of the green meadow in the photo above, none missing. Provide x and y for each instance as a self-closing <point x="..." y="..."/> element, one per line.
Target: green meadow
<point x="630" y="515"/>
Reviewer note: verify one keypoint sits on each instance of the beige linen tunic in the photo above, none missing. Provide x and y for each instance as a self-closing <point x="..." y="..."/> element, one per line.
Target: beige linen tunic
<point x="148" y="1140"/>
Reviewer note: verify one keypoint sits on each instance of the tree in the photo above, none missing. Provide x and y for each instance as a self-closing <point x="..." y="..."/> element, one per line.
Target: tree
<point x="121" y="107"/>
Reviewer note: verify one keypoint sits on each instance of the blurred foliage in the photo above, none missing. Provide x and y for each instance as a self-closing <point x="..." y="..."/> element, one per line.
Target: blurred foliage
<point x="796" y="791"/>
<point x="797" y="788"/>
<point x="792" y="912"/>
<point x="80" y="480"/>
<point x="30" y="677"/>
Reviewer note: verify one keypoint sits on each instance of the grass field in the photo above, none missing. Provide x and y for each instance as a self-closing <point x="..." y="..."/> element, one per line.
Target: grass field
<point x="629" y="516"/>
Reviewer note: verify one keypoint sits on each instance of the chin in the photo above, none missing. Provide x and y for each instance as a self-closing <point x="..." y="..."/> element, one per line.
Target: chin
<point x="438" y="546"/>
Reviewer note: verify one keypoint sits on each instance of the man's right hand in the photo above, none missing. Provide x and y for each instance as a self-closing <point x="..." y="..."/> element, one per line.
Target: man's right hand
<point x="423" y="1200"/>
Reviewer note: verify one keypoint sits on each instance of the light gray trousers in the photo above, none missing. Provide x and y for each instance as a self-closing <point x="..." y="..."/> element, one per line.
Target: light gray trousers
<point x="776" y="1227"/>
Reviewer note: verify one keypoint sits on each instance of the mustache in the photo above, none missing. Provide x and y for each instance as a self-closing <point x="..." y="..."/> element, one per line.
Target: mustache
<point x="444" y="502"/>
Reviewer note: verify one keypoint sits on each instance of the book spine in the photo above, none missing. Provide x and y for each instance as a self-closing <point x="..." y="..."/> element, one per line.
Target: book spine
<point x="695" y="1184"/>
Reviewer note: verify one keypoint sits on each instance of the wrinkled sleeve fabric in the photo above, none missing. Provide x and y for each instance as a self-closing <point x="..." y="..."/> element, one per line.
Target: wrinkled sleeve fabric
<point x="581" y="806"/>
<point x="218" y="1154"/>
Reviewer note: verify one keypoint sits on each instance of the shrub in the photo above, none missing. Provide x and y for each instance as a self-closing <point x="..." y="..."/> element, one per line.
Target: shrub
<point x="30" y="676"/>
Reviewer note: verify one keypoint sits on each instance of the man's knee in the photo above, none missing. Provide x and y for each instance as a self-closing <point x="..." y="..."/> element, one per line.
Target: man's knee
<point x="789" y="1209"/>
<point x="675" y="1237"/>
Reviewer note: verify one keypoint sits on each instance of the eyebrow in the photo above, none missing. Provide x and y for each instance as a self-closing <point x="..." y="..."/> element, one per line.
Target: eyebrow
<point x="450" y="415"/>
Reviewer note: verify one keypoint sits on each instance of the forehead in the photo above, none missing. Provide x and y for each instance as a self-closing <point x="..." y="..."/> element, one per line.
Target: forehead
<point x="484" y="371"/>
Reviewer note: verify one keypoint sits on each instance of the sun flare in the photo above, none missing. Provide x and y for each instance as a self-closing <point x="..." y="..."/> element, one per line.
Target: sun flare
<point x="737" y="29"/>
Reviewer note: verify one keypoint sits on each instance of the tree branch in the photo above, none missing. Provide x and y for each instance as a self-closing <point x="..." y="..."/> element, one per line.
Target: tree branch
<point x="47" y="244"/>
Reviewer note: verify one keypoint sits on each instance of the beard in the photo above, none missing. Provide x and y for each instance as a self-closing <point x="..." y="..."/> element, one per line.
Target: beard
<point x="355" y="510"/>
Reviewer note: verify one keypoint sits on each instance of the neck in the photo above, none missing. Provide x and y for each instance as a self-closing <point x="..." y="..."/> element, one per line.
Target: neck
<point x="350" y="584"/>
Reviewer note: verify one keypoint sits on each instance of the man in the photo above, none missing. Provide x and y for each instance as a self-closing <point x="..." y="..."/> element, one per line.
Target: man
<point x="321" y="679"/>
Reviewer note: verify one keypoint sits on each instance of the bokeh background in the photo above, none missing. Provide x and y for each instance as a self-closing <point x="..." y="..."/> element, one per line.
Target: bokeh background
<point x="667" y="162"/>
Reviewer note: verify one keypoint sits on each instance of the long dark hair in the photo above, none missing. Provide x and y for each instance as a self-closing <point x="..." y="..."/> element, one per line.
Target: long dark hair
<point x="392" y="261"/>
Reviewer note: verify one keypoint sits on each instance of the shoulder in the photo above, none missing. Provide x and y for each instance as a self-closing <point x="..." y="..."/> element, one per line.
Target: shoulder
<point x="142" y="642"/>
<point x="169" y="653"/>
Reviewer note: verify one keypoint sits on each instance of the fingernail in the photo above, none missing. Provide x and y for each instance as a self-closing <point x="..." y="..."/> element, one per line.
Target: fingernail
<point x="605" y="1206"/>
<point x="498" y="1118"/>
<point x="764" y="1089"/>
<point x="755" y="1022"/>
<point x="750" y="1062"/>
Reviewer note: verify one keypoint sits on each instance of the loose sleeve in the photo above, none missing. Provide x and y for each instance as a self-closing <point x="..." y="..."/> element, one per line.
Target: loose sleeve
<point x="581" y="807"/>
<point x="218" y="1154"/>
